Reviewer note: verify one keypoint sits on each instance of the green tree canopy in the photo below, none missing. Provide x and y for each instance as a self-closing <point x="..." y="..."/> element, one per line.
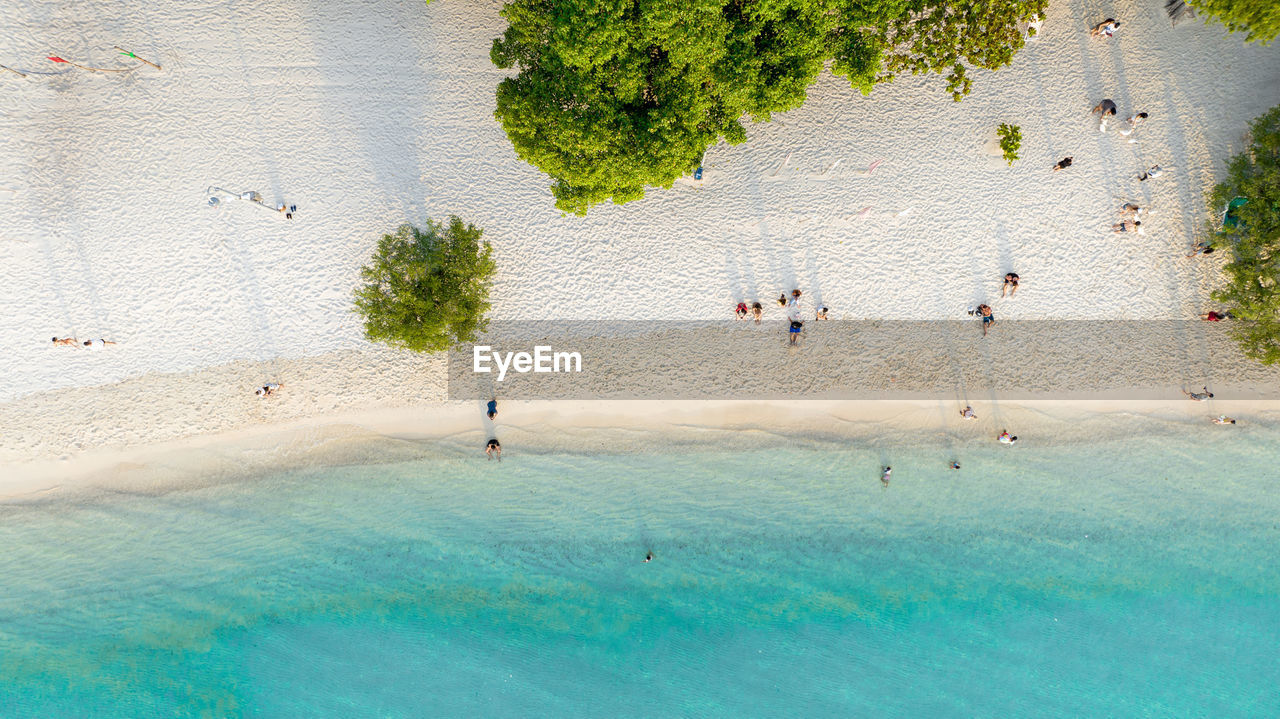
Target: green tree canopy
<point x="426" y="290"/>
<point x="1259" y="19"/>
<point x="615" y="96"/>
<point x="1253" y="238"/>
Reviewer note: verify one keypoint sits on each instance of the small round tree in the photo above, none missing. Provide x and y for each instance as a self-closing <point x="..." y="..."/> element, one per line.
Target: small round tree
<point x="1010" y="141"/>
<point x="427" y="290"/>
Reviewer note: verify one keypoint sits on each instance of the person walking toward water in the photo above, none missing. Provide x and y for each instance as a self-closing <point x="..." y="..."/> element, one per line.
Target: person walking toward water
<point x="1199" y="396"/>
<point x="1128" y="226"/>
<point x="493" y="449"/>
<point x="757" y="311"/>
<point x="1010" y="284"/>
<point x="491" y="411"/>
<point x="1063" y="164"/>
<point x="988" y="318"/>
<point x="797" y="326"/>
<point x="1006" y="438"/>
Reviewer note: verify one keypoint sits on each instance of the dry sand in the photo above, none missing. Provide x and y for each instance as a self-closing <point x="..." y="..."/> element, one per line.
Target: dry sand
<point x="368" y="114"/>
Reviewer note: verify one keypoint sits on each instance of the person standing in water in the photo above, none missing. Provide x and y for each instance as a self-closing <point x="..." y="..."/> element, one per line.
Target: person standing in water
<point x="493" y="449"/>
<point x="648" y="557"/>
<point x="884" y="477"/>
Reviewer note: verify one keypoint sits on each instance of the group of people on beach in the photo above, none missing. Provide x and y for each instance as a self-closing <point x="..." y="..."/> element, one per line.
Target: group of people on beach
<point x="789" y="303"/>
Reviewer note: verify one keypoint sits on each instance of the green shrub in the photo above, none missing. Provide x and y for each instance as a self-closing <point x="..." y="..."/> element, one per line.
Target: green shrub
<point x="1258" y="19"/>
<point x="617" y="96"/>
<point x="1010" y="141"/>
<point x="426" y="290"/>
<point x="1252" y="293"/>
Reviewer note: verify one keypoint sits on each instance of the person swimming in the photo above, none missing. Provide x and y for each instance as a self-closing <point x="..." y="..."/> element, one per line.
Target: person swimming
<point x="648" y="557"/>
<point x="954" y="465"/>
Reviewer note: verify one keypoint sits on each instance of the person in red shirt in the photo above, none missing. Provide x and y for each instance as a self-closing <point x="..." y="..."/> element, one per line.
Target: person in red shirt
<point x="1213" y="316"/>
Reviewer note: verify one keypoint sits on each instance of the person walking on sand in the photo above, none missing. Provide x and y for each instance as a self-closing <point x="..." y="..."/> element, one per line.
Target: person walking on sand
<point x="1106" y="28"/>
<point x="1105" y="109"/>
<point x="1151" y="174"/>
<point x="988" y="319"/>
<point x="1128" y="226"/>
<point x="1006" y="438"/>
<point x="97" y="344"/>
<point x="797" y="326"/>
<point x="66" y="341"/>
<point x="1010" y="284"/>
<point x="757" y="311"/>
<point x="1223" y="419"/>
<point x="1199" y="396"/>
<point x="1133" y="121"/>
<point x="491" y="411"/>
<point x="493" y="449"/>
<point x="967" y="413"/>
<point x="795" y="297"/>
<point x="1063" y="164"/>
<point x="741" y="311"/>
<point x="1201" y="248"/>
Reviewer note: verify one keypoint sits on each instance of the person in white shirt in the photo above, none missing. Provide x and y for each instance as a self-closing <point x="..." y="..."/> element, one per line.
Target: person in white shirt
<point x="97" y="344"/>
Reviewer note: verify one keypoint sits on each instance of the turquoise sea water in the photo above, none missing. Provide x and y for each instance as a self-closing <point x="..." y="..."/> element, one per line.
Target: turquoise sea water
<point x="1135" y="577"/>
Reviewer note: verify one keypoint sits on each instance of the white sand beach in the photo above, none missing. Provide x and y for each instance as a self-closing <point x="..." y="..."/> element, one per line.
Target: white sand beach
<point x="369" y="114"/>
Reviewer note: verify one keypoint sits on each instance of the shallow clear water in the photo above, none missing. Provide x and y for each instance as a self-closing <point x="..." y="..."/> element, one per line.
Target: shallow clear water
<point x="1126" y="578"/>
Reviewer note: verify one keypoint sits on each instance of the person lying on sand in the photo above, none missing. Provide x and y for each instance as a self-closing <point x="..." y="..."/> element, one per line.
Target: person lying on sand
<point x="1215" y="316"/>
<point x="493" y="449"/>
<point x="1010" y="284"/>
<point x="1128" y="226"/>
<point x="1062" y="164"/>
<point x="491" y="411"/>
<point x="1130" y="211"/>
<point x="1106" y="28"/>
<point x="66" y="341"/>
<point x="1223" y="419"/>
<point x="97" y="344"/>
<point x="1201" y="248"/>
<point x="1006" y="438"/>
<point x="268" y="389"/>
<point x="1199" y="396"/>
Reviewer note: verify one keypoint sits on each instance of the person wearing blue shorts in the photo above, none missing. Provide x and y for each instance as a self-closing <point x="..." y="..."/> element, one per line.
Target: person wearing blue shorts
<point x="796" y="327"/>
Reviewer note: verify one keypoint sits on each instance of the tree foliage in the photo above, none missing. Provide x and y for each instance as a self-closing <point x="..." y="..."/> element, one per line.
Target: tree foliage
<point x="1010" y="141"/>
<point x="1259" y="19"/>
<point x="426" y="290"/>
<point x="1253" y="239"/>
<point x="615" y="96"/>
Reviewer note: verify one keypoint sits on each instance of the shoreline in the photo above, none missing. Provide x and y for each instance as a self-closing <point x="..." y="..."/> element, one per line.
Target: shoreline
<point x="388" y="434"/>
